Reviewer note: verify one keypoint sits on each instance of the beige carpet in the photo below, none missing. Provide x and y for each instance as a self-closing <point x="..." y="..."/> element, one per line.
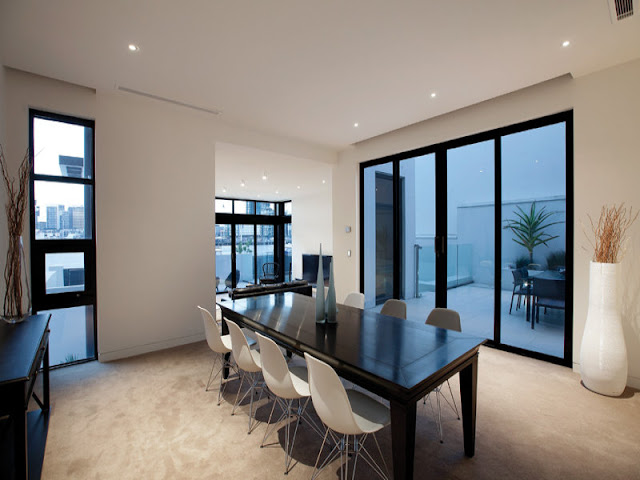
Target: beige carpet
<point x="149" y="417"/>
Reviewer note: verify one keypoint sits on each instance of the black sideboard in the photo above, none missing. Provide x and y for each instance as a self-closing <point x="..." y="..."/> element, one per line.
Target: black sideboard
<point x="23" y="348"/>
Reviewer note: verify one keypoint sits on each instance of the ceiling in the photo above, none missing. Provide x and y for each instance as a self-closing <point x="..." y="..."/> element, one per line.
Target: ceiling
<point x="288" y="178"/>
<point x="309" y="69"/>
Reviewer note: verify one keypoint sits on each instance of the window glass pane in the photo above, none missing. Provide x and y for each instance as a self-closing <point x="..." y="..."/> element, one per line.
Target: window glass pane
<point x="244" y="207"/>
<point x="63" y="210"/>
<point x="245" y="248"/>
<point x="534" y="185"/>
<point x="224" y="206"/>
<point x="223" y="258"/>
<point x="378" y="234"/>
<point x="265" y="246"/>
<point x="470" y="230"/>
<point x="418" y="222"/>
<point x="72" y="334"/>
<point x="64" y="272"/>
<point x="265" y="208"/>
<point x="287" y="208"/>
<point x="62" y="149"/>
<point x="287" y="252"/>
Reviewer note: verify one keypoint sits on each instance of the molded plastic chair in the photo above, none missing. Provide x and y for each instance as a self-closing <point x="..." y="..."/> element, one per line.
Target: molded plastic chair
<point x="450" y="320"/>
<point x="219" y="344"/>
<point x="348" y="413"/>
<point x="249" y="362"/>
<point x="288" y="384"/>
<point x="394" y="308"/>
<point x="355" y="299"/>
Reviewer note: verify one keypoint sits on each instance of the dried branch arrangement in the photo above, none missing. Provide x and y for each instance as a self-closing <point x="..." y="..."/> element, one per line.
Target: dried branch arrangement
<point x="15" y="209"/>
<point x="610" y="233"/>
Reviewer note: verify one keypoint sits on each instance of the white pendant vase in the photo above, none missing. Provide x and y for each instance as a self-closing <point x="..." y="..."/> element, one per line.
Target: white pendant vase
<point x="603" y="355"/>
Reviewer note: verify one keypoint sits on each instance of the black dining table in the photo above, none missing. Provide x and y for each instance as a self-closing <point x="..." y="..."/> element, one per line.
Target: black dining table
<point x="399" y="360"/>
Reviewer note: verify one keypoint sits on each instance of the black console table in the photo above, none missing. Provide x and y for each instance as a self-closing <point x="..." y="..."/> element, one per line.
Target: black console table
<point x="23" y="348"/>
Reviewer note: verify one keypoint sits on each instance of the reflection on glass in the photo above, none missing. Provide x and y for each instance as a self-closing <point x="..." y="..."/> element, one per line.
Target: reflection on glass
<point x="287" y="208"/>
<point x="64" y="272"/>
<point x="223" y="257"/>
<point x="417" y="184"/>
<point x="265" y="208"/>
<point x="72" y="334"/>
<point x="224" y="206"/>
<point x="243" y="207"/>
<point x="245" y="249"/>
<point x="63" y="210"/>
<point x="62" y="149"/>
<point x="378" y="234"/>
<point x="533" y="171"/>
<point x="471" y="242"/>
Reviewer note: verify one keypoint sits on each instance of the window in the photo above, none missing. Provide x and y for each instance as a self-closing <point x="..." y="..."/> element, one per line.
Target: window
<point x="249" y="234"/>
<point x="436" y="233"/>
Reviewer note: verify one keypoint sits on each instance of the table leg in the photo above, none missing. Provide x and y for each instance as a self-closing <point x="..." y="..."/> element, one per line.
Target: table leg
<point x="468" y="399"/>
<point x="19" y="419"/>
<point x="403" y="439"/>
<point x="45" y="378"/>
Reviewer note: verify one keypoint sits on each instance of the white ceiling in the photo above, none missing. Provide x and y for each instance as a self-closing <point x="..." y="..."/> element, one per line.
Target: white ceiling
<point x="288" y="178"/>
<point x="309" y="69"/>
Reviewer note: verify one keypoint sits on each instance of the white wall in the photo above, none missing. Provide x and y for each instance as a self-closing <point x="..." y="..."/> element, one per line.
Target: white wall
<point x="311" y="225"/>
<point x="606" y="110"/>
<point x="155" y="169"/>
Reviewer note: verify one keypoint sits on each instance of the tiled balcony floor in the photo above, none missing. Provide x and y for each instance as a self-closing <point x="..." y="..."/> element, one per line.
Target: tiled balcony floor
<point x="475" y="305"/>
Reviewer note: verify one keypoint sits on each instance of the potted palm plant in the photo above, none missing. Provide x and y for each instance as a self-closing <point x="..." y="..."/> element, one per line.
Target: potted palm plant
<point x="529" y="228"/>
<point x="13" y="309"/>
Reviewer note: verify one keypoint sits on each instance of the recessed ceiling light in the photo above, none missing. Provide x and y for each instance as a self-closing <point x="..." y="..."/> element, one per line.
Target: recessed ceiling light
<point x="258" y="195"/>
<point x="242" y="183"/>
<point x="566" y="43"/>
<point x="224" y="189"/>
<point x="481" y="171"/>
<point x="324" y="181"/>
<point x="134" y="48"/>
<point x="433" y="94"/>
<point x="264" y="176"/>
<point x="277" y="192"/>
<point x="298" y="187"/>
<point x="356" y="124"/>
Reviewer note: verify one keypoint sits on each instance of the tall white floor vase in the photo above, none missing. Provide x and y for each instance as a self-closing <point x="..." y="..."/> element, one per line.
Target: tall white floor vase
<point x="603" y="355"/>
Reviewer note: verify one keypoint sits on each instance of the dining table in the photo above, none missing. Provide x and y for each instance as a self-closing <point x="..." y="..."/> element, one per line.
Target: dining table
<point x="399" y="360"/>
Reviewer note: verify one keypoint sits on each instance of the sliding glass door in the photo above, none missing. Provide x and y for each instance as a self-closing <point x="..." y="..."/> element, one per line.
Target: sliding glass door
<point x="470" y="236"/>
<point x="482" y="225"/>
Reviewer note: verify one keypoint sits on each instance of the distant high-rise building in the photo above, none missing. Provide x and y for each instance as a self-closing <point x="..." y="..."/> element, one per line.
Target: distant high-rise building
<point x="53" y="219"/>
<point x="77" y="217"/>
<point x="71" y="166"/>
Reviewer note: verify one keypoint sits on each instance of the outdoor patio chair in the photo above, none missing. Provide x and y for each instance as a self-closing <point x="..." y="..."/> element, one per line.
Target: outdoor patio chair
<point x="270" y="273"/>
<point x="548" y="294"/>
<point x="520" y="275"/>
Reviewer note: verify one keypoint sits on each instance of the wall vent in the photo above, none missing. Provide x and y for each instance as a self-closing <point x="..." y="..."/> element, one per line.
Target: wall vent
<point x="169" y="100"/>
<point x="621" y="9"/>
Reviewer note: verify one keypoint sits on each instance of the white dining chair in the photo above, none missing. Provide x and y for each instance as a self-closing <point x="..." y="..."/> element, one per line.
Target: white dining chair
<point x="350" y="414"/>
<point x="450" y="320"/>
<point x="355" y="299"/>
<point x="250" y="365"/>
<point x="221" y="346"/>
<point x="289" y="385"/>
<point x="394" y="308"/>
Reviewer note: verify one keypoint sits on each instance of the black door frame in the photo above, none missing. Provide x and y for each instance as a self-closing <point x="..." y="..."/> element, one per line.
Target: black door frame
<point x="440" y="240"/>
<point x="41" y="247"/>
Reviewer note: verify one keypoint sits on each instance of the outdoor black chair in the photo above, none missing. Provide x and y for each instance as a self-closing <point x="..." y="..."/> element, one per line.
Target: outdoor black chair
<point x="229" y="282"/>
<point x="270" y="273"/>
<point x="548" y="294"/>
<point x="520" y="275"/>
